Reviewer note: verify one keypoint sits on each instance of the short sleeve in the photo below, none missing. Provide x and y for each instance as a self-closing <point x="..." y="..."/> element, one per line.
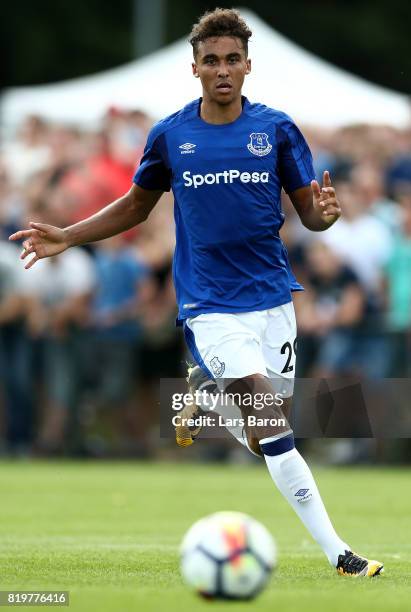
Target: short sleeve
<point x="153" y="173"/>
<point x="295" y="162"/>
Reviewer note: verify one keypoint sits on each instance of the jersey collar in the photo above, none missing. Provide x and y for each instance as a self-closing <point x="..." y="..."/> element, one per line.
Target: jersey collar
<point x="245" y="103"/>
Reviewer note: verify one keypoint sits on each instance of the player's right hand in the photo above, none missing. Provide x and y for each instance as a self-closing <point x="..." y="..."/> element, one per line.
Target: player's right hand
<point x="41" y="240"/>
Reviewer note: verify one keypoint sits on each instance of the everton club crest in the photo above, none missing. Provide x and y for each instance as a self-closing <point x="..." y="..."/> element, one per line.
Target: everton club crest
<point x="259" y="144"/>
<point x="217" y="366"/>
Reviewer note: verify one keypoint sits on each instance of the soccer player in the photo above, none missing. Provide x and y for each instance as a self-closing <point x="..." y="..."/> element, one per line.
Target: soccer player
<point x="226" y="160"/>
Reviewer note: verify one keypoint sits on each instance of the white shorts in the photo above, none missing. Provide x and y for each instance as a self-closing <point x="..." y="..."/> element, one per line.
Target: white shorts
<point x="235" y="345"/>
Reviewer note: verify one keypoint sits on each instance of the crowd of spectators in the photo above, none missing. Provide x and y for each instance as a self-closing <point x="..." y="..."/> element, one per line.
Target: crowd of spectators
<point x="85" y="336"/>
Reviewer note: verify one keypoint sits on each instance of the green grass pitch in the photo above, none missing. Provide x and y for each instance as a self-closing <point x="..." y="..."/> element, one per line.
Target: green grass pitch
<point x="109" y="533"/>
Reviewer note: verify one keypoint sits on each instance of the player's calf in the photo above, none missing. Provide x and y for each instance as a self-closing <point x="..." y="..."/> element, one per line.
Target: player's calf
<point x="262" y="420"/>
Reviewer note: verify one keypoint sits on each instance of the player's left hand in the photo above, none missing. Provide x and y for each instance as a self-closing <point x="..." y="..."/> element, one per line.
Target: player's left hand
<point x="325" y="200"/>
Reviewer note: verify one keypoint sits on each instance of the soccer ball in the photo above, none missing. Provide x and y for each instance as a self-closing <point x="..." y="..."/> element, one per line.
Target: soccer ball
<point x="227" y="555"/>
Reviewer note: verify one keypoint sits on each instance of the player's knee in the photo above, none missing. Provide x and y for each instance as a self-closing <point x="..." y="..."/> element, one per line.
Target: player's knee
<point x="247" y="384"/>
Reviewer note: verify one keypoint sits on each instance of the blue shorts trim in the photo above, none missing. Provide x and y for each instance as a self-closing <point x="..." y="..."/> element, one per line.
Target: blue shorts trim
<point x="191" y="343"/>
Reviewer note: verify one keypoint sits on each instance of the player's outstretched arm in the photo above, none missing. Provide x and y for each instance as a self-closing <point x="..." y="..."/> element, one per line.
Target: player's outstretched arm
<point x="317" y="207"/>
<point x="43" y="240"/>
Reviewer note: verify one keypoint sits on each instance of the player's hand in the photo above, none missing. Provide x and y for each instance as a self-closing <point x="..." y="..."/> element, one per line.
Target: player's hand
<point x="41" y="241"/>
<point x="324" y="199"/>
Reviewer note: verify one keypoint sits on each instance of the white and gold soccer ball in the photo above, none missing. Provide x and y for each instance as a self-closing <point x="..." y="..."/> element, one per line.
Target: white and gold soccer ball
<point x="227" y="555"/>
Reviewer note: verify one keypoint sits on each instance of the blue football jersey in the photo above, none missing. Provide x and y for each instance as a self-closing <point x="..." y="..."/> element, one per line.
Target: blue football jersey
<point x="227" y="181"/>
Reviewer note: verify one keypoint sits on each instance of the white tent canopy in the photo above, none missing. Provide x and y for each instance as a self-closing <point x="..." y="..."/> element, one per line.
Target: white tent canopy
<point x="284" y="76"/>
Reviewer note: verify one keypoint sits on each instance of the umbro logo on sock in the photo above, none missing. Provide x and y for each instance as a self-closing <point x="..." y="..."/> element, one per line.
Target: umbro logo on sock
<point x="303" y="495"/>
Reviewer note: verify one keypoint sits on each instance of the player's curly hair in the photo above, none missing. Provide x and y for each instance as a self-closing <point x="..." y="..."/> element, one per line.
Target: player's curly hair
<point x="220" y="22"/>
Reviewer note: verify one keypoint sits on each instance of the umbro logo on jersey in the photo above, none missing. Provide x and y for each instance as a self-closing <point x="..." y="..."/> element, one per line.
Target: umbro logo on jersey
<point x="187" y="147"/>
<point x="259" y="144"/>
